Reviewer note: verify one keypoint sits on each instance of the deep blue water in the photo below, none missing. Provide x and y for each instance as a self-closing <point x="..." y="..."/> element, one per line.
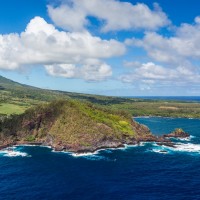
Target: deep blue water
<point x="174" y="98"/>
<point x="139" y="172"/>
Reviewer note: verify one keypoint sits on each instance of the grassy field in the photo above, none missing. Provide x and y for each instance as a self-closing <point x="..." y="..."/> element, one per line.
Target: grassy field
<point x="160" y="108"/>
<point x="8" y="109"/>
<point x="15" y="98"/>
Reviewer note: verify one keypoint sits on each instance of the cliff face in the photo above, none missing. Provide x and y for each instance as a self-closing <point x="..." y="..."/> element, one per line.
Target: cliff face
<point x="73" y="126"/>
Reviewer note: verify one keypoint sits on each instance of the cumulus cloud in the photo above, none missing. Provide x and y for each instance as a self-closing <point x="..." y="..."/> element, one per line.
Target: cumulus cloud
<point x="182" y="47"/>
<point x="89" y="72"/>
<point x="67" y="54"/>
<point x="178" y="56"/>
<point x="151" y="73"/>
<point x="114" y="15"/>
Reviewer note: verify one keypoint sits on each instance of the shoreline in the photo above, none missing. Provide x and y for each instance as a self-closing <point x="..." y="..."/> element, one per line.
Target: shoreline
<point x="167" y="143"/>
<point x="39" y="144"/>
<point x="73" y="153"/>
<point x="149" y="116"/>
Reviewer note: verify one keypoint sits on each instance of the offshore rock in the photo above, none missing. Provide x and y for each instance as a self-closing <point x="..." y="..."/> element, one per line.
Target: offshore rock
<point x="177" y="133"/>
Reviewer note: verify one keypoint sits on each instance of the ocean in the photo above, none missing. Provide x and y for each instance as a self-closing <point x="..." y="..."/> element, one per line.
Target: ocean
<point x="147" y="171"/>
<point x="170" y="98"/>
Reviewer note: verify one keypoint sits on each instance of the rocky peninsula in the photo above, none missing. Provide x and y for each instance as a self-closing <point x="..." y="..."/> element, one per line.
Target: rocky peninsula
<point x="74" y="126"/>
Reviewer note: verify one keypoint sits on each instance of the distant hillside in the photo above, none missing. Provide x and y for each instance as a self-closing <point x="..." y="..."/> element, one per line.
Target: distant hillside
<point x="15" y="98"/>
<point x="72" y="126"/>
<point x="5" y="81"/>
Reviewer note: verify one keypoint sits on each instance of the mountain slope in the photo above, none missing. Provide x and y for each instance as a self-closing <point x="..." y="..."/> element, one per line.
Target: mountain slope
<point x="15" y="98"/>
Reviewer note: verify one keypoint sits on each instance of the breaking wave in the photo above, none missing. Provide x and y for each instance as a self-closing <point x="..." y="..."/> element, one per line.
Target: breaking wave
<point x="179" y="147"/>
<point x="12" y="152"/>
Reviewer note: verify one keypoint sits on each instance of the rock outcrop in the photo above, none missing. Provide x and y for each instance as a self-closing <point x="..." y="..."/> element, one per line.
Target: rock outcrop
<point x="177" y="133"/>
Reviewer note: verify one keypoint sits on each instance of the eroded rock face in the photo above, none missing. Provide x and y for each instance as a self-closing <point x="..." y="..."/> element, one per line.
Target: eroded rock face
<point x="177" y="133"/>
<point x="140" y="129"/>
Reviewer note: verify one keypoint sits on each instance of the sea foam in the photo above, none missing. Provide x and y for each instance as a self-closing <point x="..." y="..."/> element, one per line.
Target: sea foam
<point x="14" y="151"/>
<point x="84" y="154"/>
<point x="188" y="147"/>
<point x="184" y="139"/>
<point x="9" y="153"/>
<point x="179" y="147"/>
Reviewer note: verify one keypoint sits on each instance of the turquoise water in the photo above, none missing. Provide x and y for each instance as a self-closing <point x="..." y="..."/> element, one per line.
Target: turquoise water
<point x="144" y="172"/>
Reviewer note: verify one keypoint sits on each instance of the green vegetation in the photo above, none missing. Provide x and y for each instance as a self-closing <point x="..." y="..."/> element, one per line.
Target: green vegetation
<point x="68" y="122"/>
<point x="179" y="130"/>
<point x="15" y="98"/>
<point x="106" y="117"/>
<point x="30" y="138"/>
<point x="8" y="109"/>
<point x="160" y="108"/>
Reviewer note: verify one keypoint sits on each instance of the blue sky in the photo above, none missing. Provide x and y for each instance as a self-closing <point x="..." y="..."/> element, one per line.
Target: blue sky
<point x="108" y="47"/>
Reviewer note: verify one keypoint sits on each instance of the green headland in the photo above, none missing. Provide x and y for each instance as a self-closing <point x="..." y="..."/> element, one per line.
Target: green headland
<point x="78" y="122"/>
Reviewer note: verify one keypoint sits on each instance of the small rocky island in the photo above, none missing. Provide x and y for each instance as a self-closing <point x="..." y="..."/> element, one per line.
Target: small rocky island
<point x="74" y="126"/>
<point x="177" y="133"/>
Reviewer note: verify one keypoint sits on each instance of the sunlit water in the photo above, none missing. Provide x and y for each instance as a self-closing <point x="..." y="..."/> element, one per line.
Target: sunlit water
<point x="144" y="172"/>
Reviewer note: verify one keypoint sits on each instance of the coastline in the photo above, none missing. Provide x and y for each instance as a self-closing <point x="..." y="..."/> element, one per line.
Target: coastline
<point x="39" y="144"/>
<point x="158" y="140"/>
<point x="165" y="143"/>
<point x="158" y="116"/>
<point x="75" y="154"/>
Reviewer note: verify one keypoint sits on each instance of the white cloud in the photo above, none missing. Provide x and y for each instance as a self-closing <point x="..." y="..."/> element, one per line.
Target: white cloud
<point x="178" y="55"/>
<point x="151" y="73"/>
<point x="96" y="72"/>
<point x="63" y="70"/>
<point x="70" y="18"/>
<point x="88" y="72"/>
<point x="63" y="53"/>
<point x="180" y="48"/>
<point x="73" y="15"/>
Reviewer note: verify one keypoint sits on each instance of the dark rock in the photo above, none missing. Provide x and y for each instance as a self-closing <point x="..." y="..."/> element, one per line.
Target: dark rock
<point x="58" y="148"/>
<point x="3" y="146"/>
<point x="163" y="151"/>
<point x="177" y="133"/>
<point x="168" y="144"/>
<point x="34" y="143"/>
